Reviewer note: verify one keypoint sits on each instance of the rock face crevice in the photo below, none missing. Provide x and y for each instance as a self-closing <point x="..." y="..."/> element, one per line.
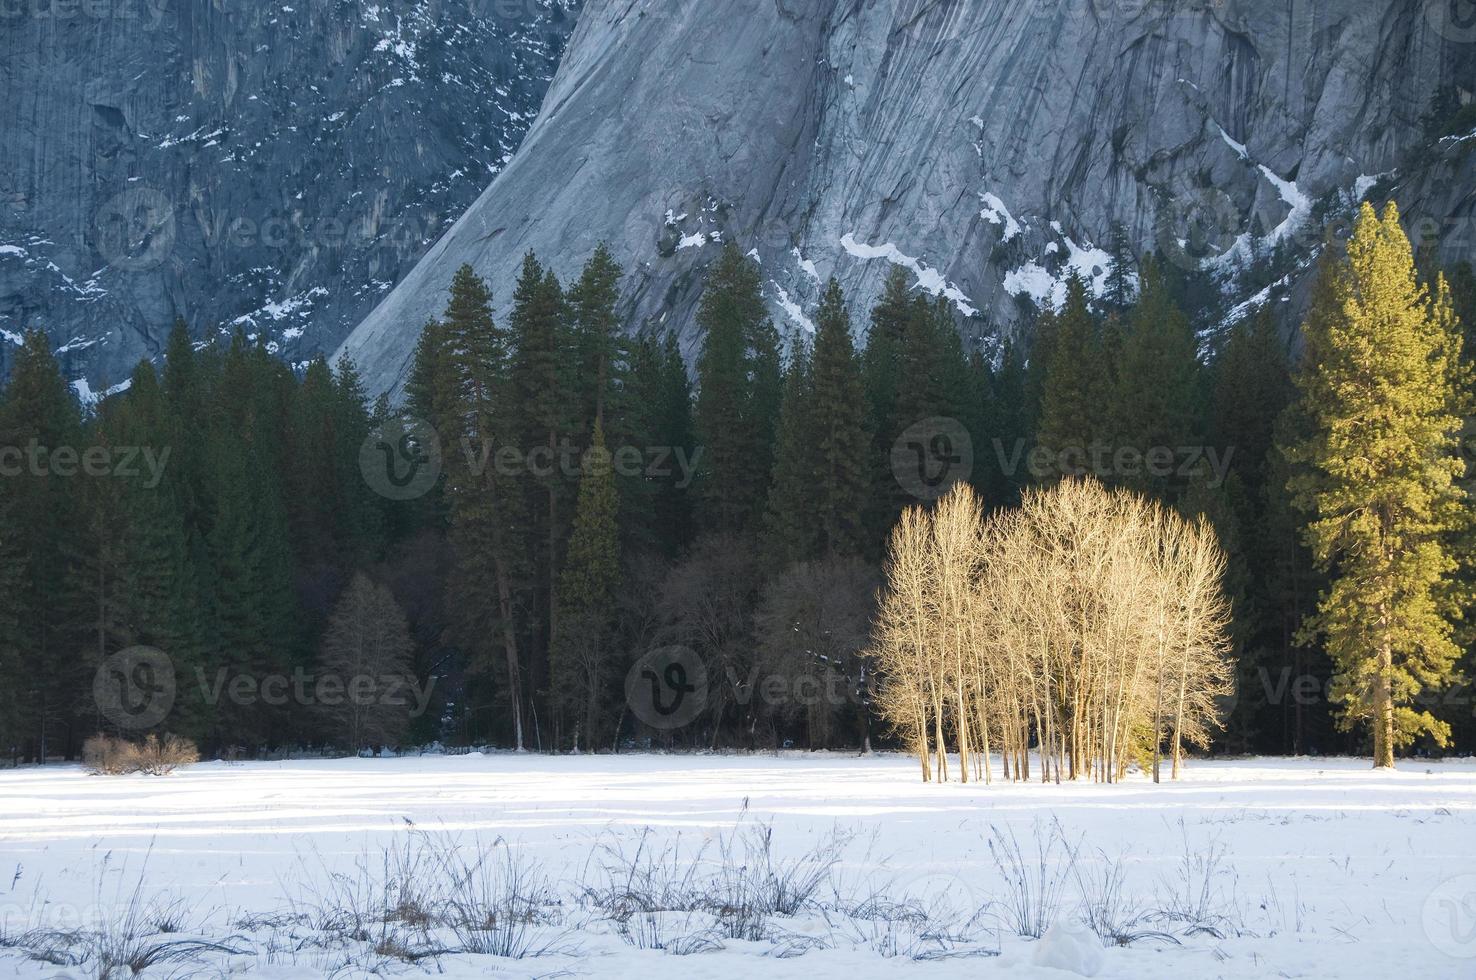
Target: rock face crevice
<point x="986" y="145"/>
<point x="274" y="167"/>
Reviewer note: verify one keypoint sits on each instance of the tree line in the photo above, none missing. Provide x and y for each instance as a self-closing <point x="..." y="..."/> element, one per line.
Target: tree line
<point x="601" y="492"/>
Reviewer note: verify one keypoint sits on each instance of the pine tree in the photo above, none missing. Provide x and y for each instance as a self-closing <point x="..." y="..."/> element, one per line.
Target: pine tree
<point x="1010" y="426"/>
<point x="930" y="369"/>
<point x="579" y="662"/>
<point x="739" y="380"/>
<point x="359" y="526"/>
<point x="1383" y="386"/>
<point x="933" y="392"/>
<point x="882" y="359"/>
<point x="789" y="522"/>
<point x="837" y="435"/>
<point x="1118" y="295"/>
<point x="160" y="582"/>
<point x="1252" y="387"/>
<point x="1156" y="395"/>
<point x="1072" y="398"/>
<point x="763" y="403"/>
<point x="425" y="367"/>
<point x="1463" y="299"/>
<point x="597" y="340"/>
<point x="38" y="419"/>
<point x="315" y="499"/>
<point x="545" y="411"/>
<point x="254" y="626"/>
<point x="471" y="401"/>
<point x="677" y="499"/>
<point x="13" y="720"/>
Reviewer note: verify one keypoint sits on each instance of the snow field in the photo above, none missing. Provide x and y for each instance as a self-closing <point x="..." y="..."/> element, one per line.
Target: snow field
<point x="1301" y="868"/>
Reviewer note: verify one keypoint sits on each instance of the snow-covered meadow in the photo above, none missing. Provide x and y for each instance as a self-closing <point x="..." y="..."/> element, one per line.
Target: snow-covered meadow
<point x="1266" y="867"/>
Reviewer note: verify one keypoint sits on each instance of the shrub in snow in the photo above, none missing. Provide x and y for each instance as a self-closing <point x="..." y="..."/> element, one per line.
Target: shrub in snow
<point x="108" y="756"/>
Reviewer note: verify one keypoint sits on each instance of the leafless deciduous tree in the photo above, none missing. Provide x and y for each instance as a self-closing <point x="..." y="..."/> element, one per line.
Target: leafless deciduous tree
<point x="1088" y="626"/>
<point x="368" y="657"/>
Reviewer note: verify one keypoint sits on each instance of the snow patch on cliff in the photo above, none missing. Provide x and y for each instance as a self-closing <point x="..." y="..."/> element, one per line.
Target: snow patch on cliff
<point x="1091" y="264"/>
<point x="928" y="279"/>
<point x="793" y="310"/>
<point x="996" y="213"/>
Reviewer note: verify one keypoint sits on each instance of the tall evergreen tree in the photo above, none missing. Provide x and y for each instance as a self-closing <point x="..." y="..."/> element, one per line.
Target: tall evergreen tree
<point x="739" y="388"/>
<point x="837" y="431"/>
<point x="546" y="411"/>
<point x="597" y="342"/>
<point x="1252" y="387"/>
<point x="1157" y="385"/>
<point x="1072" y="398"/>
<point x="40" y="426"/>
<point x="471" y="403"/>
<point x="790" y="528"/>
<point x="579" y="662"/>
<point x="1118" y="295"/>
<point x="1383" y="386"/>
<point x="253" y="624"/>
<point x="1008" y="434"/>
<point x="882" y="358"/>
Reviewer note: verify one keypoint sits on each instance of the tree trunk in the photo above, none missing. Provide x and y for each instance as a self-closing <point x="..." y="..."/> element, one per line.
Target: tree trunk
<point x="509" y="643"/>
<point x="1383" y="722"/>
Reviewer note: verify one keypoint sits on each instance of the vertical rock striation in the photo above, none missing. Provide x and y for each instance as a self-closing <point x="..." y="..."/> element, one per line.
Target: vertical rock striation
<point x="987" y="145"/>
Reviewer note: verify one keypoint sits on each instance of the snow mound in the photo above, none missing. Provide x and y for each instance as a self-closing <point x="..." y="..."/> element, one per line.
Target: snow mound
<point x="1072" y="947"/>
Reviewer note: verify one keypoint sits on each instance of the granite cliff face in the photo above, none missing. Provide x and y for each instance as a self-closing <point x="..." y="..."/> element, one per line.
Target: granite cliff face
<point x="986" y="145"/>
<point x="276" y="167"/>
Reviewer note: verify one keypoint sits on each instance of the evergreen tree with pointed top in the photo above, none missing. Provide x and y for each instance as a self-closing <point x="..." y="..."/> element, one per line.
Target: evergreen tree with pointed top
<point x="1010" y="426"/>
<point x="791" y="532"/>
<point x="471" y="402"/>
<point x="1252" y="386"/>
<point x="579" y="661"/>
<point x="739" y="387"/>
<point x="1384" y="389"/>
<point x="40" y="418"/>
<point x="1462" y="279"/>
<point x="546" y="415"/>
<point x="837" y="431"/>
<point x="1118" y="294"/>
<point x="1072" y="398"/>
<point x="254" y="626"/>
<point x="676" y="498"/>
<point x="160" y="582"/>
<point x="597" y="341"/>
<point x="1156" y="395"/>
<point x="882" y="358"/>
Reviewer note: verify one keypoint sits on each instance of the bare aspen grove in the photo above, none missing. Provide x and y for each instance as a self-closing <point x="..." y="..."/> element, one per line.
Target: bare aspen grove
<point x="1075" y="636"/>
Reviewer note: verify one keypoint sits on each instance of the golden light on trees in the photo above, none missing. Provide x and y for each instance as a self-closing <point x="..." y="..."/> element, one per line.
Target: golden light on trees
<point x="1074" y="636"/>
